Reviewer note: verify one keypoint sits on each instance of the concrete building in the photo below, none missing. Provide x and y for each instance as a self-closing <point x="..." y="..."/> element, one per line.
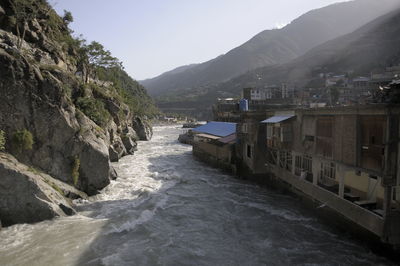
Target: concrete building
<point x="226" y="110"/>
<point x="214" y="144"/>
<point x="345" y="158"/>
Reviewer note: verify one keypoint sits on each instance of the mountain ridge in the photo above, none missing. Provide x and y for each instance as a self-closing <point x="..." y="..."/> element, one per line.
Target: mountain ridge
<point x="351" y="52"/>
<point x="275" y="46"/>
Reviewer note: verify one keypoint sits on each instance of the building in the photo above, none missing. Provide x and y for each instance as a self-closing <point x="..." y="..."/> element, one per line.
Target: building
<point x="337" y="80"/>
<point x="344" y="158"/>
<point x="214" y="143"/>
<point x="250" y="146"/>
<point x="226" y="110"/>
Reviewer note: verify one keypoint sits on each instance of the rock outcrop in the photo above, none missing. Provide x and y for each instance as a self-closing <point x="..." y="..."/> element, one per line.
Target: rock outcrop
<point x="142" y="128"/>
<point x="74" y="126"/>
<point x="28" y="195"/>
<point x="35" y="100"/>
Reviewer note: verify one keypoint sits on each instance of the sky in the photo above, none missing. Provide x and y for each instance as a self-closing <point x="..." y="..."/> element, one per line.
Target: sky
<point x="154" y="36"/>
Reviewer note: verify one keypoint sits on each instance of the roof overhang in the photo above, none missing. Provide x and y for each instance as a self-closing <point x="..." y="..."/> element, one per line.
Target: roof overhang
<point x="228" y="139"/>
<point x="277" y="119"/>
<point x="207" y="136"/>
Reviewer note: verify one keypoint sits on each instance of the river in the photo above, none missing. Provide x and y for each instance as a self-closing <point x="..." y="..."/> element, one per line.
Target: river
<point x="168" y="209"/>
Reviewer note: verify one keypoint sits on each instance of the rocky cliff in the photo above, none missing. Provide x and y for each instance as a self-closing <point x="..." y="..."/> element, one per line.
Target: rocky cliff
<point x="56" y="117"/>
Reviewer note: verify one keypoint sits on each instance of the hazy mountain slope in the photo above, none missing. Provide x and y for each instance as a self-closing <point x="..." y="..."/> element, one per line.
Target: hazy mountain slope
<point x="274" y="46"/>
<point x="375" y="45"/>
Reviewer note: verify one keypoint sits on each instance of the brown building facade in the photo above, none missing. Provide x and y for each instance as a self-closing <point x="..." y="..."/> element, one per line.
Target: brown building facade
<point x="345" y="158"/>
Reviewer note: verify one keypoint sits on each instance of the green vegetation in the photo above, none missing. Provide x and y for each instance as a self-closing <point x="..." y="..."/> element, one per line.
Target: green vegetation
<point x="94" y="109"/>
<point x="103" y="75"/>
<point x="22" y="140"/>
<point x="129" y="91"/>
<point x="67" y="18"/>
<point x="97" y="63"/>
<point x="2" y="140"/>
<point x="99" y="57"/>
<point x="57" y="188"/>
<point x="34" y="170"/>
<point x="54" y="186"/>
<point x="75" y="170"/>
<point x="24" y="11"/>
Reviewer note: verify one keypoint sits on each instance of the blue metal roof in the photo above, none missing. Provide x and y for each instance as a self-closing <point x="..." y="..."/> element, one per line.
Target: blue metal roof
<point x="221" y="129"/>
<point x="277" y="119"/>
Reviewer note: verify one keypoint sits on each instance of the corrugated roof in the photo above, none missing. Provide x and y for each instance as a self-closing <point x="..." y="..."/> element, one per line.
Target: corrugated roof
<point x="221" y="129"/>
<point x="277" y="119"/>
<point x="228" y="139"/>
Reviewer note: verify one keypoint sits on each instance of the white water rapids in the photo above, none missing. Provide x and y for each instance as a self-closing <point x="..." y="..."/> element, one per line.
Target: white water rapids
<point x="168" y="209"/>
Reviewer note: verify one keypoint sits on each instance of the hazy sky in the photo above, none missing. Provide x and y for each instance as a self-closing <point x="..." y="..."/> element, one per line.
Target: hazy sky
<point x="154" y="36"/>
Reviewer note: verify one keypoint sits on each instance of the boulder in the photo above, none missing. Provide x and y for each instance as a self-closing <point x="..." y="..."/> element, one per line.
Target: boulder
<point x="131" y="133"/>
<point x="94" y="167"/>
<point x="31" y="36"/>
<point x="28" y="195"/>
<point x="142" y="128"/>
<point x="116" y="150"/>
<point x="129" y="138"/>
<point x="113" y="154"/>
<point x="129" y="144"/>
<point x="113" y="173"/>
<point x="112" y="107"/>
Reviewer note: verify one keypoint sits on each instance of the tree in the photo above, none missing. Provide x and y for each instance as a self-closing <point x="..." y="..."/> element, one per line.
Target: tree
<point x="25" y="11"/>
<point x="67" y="18"/>
<point x="94" y="56"/>
<point x="99" y="57"/>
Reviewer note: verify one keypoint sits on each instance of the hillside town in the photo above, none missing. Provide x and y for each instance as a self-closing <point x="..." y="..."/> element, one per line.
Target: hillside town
<point x="336" y="147"/>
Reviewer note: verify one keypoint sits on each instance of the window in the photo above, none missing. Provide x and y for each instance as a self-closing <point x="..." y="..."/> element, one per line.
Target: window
<point x="308" y="138"/>
<point x="244" y="128"/>
<point x="286" y="133"/>
<point x="249" y="151"/>
<point x="373" y="134"/>
<point x="285" y="160"/>
<point x="325" y="136"/>
<point x="328" y="170"/>
<point x="307" y="163"/>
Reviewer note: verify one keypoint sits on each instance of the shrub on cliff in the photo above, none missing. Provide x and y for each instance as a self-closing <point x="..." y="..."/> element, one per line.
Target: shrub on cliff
<point x="75" y="170"/>
<point x="2" y="140"/>
<point x="22" y="140"/>
<point x="94" y="109"/>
